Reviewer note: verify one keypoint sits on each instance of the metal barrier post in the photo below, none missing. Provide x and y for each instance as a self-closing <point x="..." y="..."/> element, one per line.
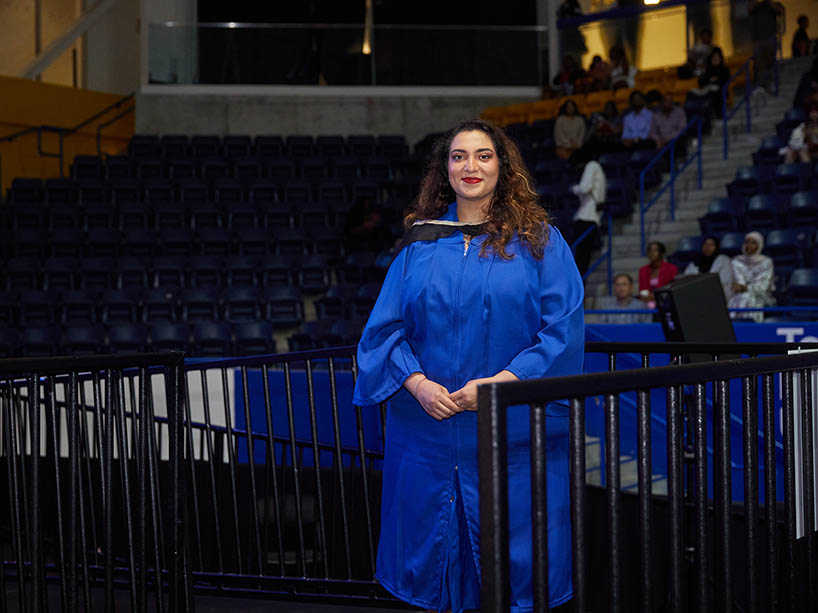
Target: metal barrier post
<point x="493" y="467"/>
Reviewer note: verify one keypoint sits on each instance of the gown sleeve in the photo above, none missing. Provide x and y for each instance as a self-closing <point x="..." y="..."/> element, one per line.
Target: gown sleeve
<point x="385" y="357"/>
<point x="559" y="345"/>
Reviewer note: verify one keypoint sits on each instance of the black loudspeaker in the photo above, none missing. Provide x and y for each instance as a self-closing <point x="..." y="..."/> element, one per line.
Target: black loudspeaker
<point x="693" y="309"/>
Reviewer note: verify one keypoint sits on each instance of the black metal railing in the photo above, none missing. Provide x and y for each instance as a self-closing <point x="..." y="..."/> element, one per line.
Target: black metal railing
<point x="63" y="133"/>
<point x="90" y="514"/>
<point x="277" y="478"/>
<point x="701" y="566"/>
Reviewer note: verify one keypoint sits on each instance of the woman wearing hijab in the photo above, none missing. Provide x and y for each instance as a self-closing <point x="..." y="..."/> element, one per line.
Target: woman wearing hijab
<point x="710" y="260"/>
<point x="483" y="289"/>
<point x="753" y="278"/>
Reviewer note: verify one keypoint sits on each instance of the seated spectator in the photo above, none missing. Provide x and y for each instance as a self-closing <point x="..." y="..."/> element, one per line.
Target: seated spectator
<point x="600" y="73"/>
<point x="591" y="192"/>
<point x="607" y="123"/>
<point x="654" y="100"/>
<point x="753" y="278"/>
<point x="712" y="80"/>
<point x="668" y="122"/>
<point x="622" y="73"/>
<point x="698" y="55"/>
<point x="803" y="144"/>
<point x="569" y="130"/>
<point x="656" y="273"/>
<point x="710" y="260"/>
<point x="800" y="40"/>
<point x="568" y="75"/>
<point x="636" y="124"/>
<point x="623" y="299"/>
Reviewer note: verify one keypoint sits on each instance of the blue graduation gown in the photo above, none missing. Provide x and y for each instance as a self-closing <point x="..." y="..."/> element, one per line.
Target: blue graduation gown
<point x="457" y="317"/>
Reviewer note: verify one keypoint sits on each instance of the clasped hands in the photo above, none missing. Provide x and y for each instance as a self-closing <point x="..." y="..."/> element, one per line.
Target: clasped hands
<point x="441" y="404"/>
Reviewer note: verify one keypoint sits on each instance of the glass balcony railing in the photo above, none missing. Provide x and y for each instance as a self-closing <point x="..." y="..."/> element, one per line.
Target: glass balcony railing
<point x="310" y="54"/>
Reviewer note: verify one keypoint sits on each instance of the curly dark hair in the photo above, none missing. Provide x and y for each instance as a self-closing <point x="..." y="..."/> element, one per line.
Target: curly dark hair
<point x="514" y="206"/>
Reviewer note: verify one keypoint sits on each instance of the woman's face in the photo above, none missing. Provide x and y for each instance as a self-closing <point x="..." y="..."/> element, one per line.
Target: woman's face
<point x="473" y="166"/>
<point x="654" y="253"/>
<point x="715" y="59"/>
<point x="750" y="245"/>
<point x="708" y="247"/>
<point x="570" y="109"/>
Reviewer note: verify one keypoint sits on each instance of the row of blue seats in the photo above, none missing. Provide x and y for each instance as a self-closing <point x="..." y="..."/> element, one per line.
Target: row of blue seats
<point x="312" y="273"/>
<point x="213" y="339"/>
<point x="281" y="305"/>
<point x="344" y="168"/>
<point x="295" y="146"/>
<point x="780" y="179"/>
<point x="148" y="216"/>
<point x="111" y="243"/>
<point x="761" y="212"/>
<point x="64" y="193"/>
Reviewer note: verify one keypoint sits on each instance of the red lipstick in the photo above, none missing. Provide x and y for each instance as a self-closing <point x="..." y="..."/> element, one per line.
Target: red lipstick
<point x="472" y="180"/>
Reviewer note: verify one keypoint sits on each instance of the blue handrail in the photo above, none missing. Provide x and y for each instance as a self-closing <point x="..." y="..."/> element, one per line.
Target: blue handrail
<point x="605" y="255"/>
<point x="745" y="100"/>
<point x="674" y="173"/>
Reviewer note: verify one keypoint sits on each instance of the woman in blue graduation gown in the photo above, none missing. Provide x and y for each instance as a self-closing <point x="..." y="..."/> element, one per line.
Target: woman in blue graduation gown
<point x="482" y="289"/>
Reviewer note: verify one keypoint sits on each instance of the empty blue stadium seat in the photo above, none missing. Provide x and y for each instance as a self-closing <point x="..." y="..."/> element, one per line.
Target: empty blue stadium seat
<point x="791" y="178"/>
<point x="167" y="336"/>
<point x="67" y="243"/>
<point x="619" y="198"/>
<point x="98" y="216"/>
<point x="128" y="338"/>
<point x="363" y="301"/>
<point x="242" y="271"/>
<point x="803" y="287"/>
<point x="37" y="308"/>
<point x="254" y="338"/>
<point x="310" y="336"/>
<point x="312" y="169"/>
<point x="762" y="213"/>
<point x="87" y="167"/>
<point x="333" y="304"/>
<point x="78" y="308"/>
<point x="720" y="218"/>
<point x="200" y="305"/>
<point x="169" y="271"/>
<point x="241" y="304"/>
<point x="102" y="243"/>
<point x="747" y="182"/>
<point x="138" y="243"/>
<point x="206" y="271"/>
<point x="275" y="270"/>
<point x="731" y="242"/>
<point x="256" y="242"/>
<point x="22" y="273"/>
<point x="243" y="215"/>
<point x="143" y="145"/>
<point x="361" y="145"/>
<point x="214" y="242"/>
<point x="803" y="210"/>
<point x="59" y="273"/>
<point x="784" y="248"/>
<point x="97" y="273"/>
<point x="83" y="340"/>
<point x="236" y="146"/>
<point x="346" y="169"/>
<point x="148" y="169"/>
<point x="205" y="145"/>
<point x="25" y="191"/>
<point x="282" y="306"/>
<point x="119" y="306"/>
<point x="299" y="146"/>
<point x="39" y="341"/>
<point x="159" y="305"/>
<point x="59" y="192"/>
<point x="268" y="146"/>
<point x="176" y="241"/>
<point x="687" y="249"/>
<point x="313" y="274"/>
<point x="173" y="145"/>
<point x="767" y="154"/>
<point x="213" y="339"/>
<point x="330" y="146"/>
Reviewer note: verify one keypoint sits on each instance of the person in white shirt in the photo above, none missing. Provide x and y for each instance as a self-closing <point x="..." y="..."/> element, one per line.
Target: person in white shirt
<point x="591" y="192"/>
<point x="753" y="278"/>
<point x="710" y="260"/>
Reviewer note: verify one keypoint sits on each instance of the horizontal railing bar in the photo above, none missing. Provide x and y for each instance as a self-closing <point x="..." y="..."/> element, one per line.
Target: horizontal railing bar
<point x="69" y="363"/>
<point x="559" y="388"/>
<point x="682" y="348"/>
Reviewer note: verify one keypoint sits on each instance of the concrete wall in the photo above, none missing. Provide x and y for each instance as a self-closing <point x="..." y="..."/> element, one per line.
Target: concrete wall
<point x="414" y="115"/>
<point x="112" y="50"/>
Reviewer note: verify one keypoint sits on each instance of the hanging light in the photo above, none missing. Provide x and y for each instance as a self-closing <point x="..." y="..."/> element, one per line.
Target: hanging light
<point x="366" y="48"/>
<point x="651" y="2"/>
